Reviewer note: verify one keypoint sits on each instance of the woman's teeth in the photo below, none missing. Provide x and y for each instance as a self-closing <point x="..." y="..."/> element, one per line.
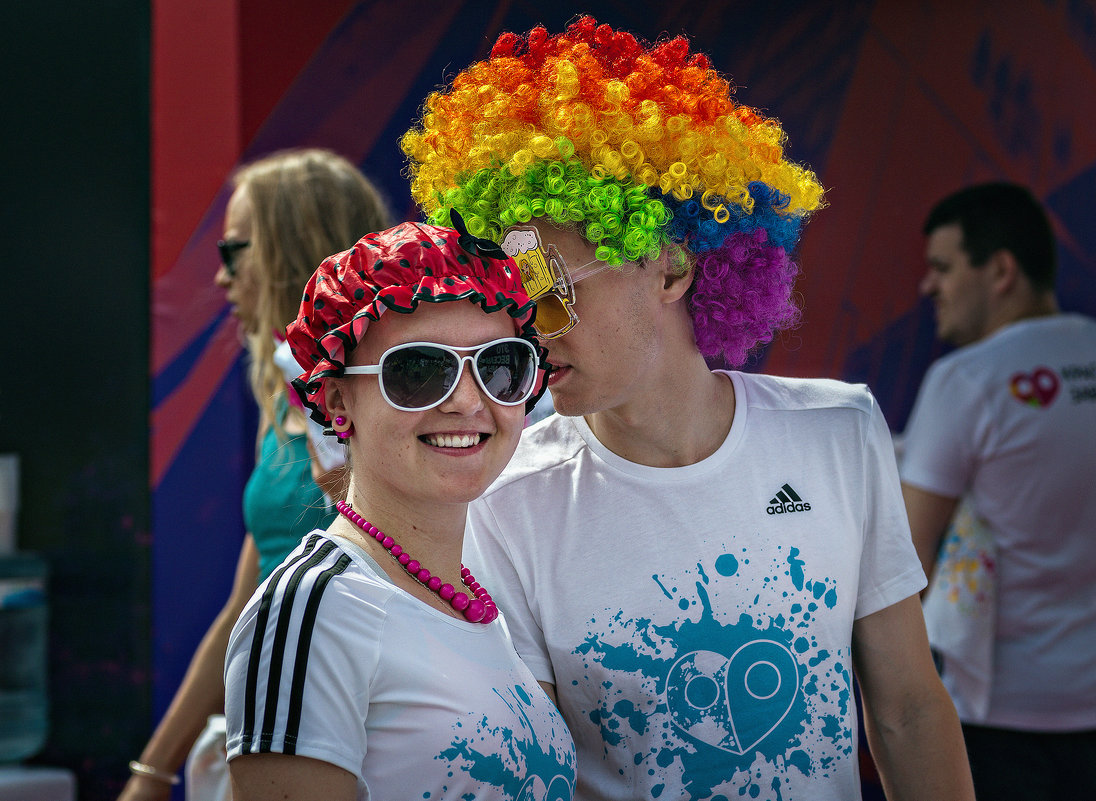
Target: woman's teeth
<point x="453" y="440"/>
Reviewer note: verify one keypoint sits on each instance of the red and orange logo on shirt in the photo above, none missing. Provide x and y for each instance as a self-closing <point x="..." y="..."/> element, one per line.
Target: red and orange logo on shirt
<point x="1038" y="389"/>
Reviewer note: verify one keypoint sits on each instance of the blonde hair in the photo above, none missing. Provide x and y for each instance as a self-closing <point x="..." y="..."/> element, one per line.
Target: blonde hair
<point x="306" y="205"/>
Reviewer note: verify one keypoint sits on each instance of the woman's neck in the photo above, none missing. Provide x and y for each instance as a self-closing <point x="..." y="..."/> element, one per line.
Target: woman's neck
<point x="434" y="537"/>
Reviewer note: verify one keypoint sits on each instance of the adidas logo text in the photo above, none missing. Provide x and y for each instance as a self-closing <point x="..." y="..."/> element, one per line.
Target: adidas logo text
<point x="787" y="501"/>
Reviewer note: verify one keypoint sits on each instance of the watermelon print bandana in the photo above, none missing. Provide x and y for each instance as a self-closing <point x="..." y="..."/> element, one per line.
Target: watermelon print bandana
<point x="396" y="270"/>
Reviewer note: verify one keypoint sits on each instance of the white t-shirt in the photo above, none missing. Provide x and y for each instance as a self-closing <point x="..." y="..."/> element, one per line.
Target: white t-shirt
<point x="1011" y="422"/>
<point x="331" y="660"/>
<point x="696" y="621"/>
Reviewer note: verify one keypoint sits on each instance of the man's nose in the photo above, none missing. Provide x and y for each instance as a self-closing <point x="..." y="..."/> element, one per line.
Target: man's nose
<point x="927" y="287"/>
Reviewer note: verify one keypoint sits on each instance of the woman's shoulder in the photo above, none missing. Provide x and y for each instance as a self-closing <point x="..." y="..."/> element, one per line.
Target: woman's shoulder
<point x="322" y="577"/>
<point x="322" y="607"/>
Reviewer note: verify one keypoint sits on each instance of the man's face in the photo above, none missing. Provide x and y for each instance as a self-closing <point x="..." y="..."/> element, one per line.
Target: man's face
<point x="602" y="362"/>
<point x="959" y="291"/>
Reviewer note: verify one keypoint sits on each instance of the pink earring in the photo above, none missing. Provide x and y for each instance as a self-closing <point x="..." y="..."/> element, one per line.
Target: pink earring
<point x="344" y="429"/>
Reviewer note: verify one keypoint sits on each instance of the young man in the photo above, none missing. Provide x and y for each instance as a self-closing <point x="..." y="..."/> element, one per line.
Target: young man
<point x="692" y="562"/>
<point x="1008" y="423"/>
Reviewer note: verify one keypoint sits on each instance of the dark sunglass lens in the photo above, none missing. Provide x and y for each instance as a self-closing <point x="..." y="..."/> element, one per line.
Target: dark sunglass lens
<point x="418" y="376"/>
<point x="228" y="250"/>
<point x="507" y="370"/>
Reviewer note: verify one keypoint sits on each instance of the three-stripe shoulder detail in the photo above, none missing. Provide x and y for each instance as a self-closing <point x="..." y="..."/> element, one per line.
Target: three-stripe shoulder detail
<point x="299" y="583"/>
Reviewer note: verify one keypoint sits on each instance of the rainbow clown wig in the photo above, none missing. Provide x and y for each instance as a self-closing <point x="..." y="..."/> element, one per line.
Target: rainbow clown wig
<point x="638" y="147"/>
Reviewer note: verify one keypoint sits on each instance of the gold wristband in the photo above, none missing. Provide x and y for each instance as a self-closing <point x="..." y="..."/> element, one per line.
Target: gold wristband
<point x="141" y="769"/>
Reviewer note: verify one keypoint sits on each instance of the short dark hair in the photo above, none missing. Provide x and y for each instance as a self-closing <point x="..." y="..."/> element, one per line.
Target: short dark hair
<point x="997" y="216"/>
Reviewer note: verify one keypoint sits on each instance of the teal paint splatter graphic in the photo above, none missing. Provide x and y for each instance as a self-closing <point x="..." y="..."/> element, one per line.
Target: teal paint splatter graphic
<point x="738" y="701"/>
<point x="516" y="764"/>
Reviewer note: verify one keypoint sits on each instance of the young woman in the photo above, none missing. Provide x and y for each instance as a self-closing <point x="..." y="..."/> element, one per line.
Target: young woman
<point x="371" y="664"/>
<point x="288" y="212"/>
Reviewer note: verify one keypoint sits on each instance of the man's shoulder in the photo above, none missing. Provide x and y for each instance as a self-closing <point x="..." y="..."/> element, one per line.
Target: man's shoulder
<point x="781" y="393"/>
<point x="544" y="446"/>
<point x="1021" y="340"/>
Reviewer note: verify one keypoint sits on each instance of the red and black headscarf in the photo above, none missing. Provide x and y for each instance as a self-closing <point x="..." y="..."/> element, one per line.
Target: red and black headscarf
<point x="396" y="270"/>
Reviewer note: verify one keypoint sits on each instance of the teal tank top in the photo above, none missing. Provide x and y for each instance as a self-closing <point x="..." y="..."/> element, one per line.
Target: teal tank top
<point x="281" y="501"/>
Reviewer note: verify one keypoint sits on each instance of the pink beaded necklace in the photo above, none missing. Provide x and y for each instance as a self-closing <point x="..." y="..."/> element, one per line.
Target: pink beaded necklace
<point x="480" y="609"/>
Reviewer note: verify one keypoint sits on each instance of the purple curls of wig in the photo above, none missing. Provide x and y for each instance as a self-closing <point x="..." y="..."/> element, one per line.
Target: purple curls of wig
<point x="741" y="296"/>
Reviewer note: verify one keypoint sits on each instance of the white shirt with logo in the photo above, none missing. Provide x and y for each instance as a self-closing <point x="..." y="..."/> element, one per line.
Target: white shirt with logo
<point x="1010" y="422"/>
<point x="696" y="621"/>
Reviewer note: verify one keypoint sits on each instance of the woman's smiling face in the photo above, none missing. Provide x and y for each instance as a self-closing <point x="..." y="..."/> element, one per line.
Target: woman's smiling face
<point x="447" y="454"/>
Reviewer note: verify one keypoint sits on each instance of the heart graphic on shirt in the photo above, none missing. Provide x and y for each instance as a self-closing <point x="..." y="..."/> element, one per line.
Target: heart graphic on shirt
<point x="1038" y="389"/>
<point x="534" y="789"/>
<point x="733" y="704"/>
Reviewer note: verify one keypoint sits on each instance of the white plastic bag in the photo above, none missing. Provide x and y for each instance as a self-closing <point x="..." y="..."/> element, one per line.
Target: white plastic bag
<point x="207" y="764"/>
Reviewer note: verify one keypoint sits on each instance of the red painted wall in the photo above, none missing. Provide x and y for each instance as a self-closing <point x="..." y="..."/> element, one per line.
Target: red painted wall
<point x="219" y="68"/>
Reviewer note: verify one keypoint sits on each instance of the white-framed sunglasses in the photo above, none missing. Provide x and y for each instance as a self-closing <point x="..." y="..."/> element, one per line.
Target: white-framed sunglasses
<point x="547" y="279"/>
<point x="417" y="376"/>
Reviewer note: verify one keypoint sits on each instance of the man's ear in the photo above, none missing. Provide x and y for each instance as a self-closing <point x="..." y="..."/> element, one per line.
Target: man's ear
<point x="677" y="272"/>
<point x="1006" y="271"/>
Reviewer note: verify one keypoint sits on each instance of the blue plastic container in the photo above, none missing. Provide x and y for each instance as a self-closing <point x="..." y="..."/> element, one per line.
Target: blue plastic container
<point x="24" y="705"/>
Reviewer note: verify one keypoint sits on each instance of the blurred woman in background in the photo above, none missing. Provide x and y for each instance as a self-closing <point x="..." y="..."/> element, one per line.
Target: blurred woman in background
<point x="289" y="211"/>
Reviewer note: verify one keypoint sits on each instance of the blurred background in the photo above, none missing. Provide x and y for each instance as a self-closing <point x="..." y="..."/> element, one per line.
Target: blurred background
<point x="124" y="395"/>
